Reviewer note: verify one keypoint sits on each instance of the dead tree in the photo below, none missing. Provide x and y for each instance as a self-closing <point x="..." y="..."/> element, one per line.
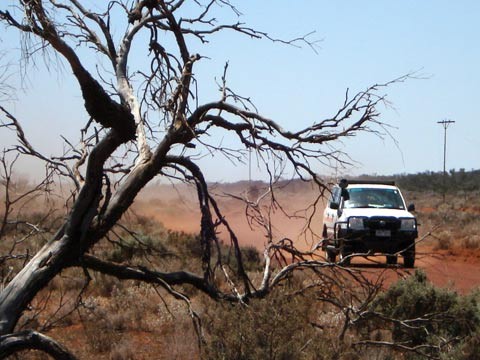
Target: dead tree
<point x="122" y="105"/>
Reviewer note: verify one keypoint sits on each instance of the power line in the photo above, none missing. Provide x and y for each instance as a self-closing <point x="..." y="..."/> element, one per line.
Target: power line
<point x="445" y="123"/>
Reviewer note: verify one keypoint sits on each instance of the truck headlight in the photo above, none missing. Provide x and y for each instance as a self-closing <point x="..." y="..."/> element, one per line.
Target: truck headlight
<point x="408" y="225"/>
<point x="356" y="223"/>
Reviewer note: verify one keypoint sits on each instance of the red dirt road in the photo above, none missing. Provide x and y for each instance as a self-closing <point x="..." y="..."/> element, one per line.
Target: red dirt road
<point x="176" y="209"/>
<point x="449" y="268"/>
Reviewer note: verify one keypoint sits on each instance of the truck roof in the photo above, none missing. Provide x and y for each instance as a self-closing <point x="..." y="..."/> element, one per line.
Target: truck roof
<point x="372" y="186"/>
<point x="367" y="182"/>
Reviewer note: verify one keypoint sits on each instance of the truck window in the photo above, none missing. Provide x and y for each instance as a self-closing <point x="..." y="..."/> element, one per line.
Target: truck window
<point x="374" y="198"/>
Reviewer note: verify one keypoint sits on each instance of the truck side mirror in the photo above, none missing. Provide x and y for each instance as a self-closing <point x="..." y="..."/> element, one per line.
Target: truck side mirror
<point x="411" y="207"/>
<point x="345" y="194"/>
<point x="333" y="205"/>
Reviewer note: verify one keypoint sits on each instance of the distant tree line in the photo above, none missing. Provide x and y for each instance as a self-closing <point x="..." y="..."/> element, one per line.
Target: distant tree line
<point x="453" y="181"/>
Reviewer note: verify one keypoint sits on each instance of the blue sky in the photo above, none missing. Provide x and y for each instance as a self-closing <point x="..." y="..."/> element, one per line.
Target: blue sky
<point x="372" y="42"/>
<point x="362" y="43"/>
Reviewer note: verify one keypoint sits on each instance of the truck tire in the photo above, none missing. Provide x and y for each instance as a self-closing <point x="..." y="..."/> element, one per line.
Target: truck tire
<point x="330" y="256"/>
<point x="409" y="259"/>
<point x="392" y="259"/>
<point x="344" y="251"/>
<point x="345" y="258"/>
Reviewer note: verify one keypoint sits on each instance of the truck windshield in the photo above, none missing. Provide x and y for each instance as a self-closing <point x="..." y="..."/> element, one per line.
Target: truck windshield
<point x="374" y="198"/>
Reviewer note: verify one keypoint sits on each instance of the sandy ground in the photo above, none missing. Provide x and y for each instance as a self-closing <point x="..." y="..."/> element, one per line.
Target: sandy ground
<point x="176" y="208"/>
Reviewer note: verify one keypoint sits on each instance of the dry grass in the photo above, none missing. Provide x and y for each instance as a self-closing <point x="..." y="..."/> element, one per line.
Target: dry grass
<point x="457" y="220"/>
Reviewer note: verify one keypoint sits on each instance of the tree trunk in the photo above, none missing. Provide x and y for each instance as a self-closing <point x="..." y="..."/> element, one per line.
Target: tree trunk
<point x="47" y="263"/>
<point x="65" y="247"/>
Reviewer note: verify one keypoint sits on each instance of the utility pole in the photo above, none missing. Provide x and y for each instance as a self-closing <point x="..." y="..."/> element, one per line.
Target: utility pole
<point x="445" y="123"/>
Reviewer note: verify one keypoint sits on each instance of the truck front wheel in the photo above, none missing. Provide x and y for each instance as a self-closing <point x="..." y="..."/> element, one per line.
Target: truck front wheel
<point x="345" y="258"/>
<point x="330" y="256"/>
<point x="391" y="259"/>
<point x="409" y="259"/>
<point x="409" y="256"/>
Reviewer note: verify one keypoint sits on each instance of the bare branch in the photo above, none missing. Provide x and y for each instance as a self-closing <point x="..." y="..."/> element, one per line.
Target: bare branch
<point x="32" y="340"/>
<point x="165" y="280"/>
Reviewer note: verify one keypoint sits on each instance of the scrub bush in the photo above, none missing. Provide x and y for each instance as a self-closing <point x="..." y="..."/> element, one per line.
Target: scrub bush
<point x="438" y="318"/>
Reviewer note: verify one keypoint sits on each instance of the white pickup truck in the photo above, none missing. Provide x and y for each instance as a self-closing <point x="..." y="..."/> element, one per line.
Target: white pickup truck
<point x="368" y="218"/>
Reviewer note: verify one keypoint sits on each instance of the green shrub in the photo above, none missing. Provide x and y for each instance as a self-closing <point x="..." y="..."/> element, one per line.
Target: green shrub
<point x="468" y="349"/>
<point x="129" y="247"/>
<point x="278" y="327"/>
<point x="251" y="258"/>
<point x="188" y="246"/>
<point x="430" y="315"/>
